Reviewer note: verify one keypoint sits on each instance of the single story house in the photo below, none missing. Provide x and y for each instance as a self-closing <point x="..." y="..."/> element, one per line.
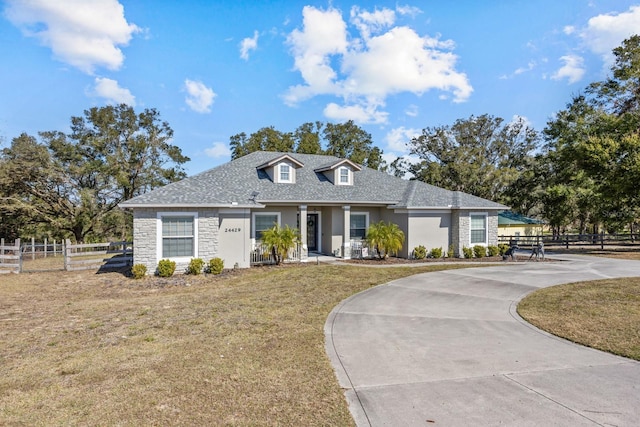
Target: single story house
<point x="512" y="224"/>
<point x="223" y="211"/>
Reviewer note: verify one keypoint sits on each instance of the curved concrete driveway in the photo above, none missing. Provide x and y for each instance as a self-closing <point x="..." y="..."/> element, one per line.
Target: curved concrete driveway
<point x="448" y="349"/>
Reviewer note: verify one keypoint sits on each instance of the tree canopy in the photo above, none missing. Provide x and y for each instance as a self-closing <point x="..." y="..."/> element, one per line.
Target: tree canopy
<point x="480" y="155"/>
<point x="344" y="140"/>
<point x="72" y="184"/>
<point x="593" y="146"/>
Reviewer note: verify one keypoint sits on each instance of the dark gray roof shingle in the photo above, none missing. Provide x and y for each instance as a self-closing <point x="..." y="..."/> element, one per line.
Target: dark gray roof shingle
<point x="235" y="183"/>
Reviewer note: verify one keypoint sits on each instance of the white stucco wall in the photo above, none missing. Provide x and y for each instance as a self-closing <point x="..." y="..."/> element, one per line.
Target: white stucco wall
<point x="235" y="237"/>
<point x="429" y="229"/>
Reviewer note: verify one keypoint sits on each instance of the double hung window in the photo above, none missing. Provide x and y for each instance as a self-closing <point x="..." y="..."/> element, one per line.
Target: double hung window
<point x="478" y="229"/>
<point x="285" y="173"/>
<point x="178" y="236"/>
<point x="358" y="225"/>
<point x="264" y="221"/>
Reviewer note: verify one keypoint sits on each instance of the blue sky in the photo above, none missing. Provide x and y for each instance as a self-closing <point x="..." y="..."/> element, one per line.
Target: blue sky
<point x="217" y="68"/>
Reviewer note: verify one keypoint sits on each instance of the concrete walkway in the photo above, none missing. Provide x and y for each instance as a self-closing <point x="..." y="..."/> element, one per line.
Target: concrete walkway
<point x="449" y="349"/>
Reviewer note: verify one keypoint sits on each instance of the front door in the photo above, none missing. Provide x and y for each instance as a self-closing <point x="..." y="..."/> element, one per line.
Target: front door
<point x="312" y="232"/>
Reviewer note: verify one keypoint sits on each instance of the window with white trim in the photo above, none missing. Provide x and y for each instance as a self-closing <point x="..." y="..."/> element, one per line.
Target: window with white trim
<point x="285" y="173"/>
<point x="264" y="221"/>
<point x="478" y="229"/>
<point x="344" y="176"/>
<point x="178" y="235"/>
<point x="359" y="224"/>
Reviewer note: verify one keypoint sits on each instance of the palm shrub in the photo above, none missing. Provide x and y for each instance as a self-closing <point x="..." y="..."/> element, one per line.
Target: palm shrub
<point x="436" y="253"/>
<point x="195" y="266"/>
<point x="280" y="240"/>
<point x="387" y="238"/>
<point x="166" y="268"/>
<point x="216" y="265"/>
<point x="467" y="252"/>
<point x="479" y="251"/>
<point x="420" y="252"/>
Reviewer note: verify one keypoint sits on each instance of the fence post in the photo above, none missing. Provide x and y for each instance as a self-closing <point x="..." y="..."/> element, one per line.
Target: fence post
<point x="67" y="254"/>
<point x="33" y="249"/>
<point x="45" y="247"/>
<point x="602" y="240"/>
<point x="2" y="246"/>
<point x="566" y="236"/>
<point x="17" y="244"/>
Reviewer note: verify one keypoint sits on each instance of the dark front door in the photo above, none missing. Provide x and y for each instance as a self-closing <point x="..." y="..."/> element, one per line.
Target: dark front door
<point x="312" y="232"/>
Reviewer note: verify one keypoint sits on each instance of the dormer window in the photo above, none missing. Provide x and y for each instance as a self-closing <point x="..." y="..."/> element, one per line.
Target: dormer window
<point x="344" y="176"/>
<point x="285" y="173"/>
<point x="281" y="169"/>
<point x="340" y="172"/>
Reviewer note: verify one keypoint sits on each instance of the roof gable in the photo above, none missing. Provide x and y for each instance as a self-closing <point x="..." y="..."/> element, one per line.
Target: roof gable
<point x="336" y="165"/>
<point x="284" y="157"/>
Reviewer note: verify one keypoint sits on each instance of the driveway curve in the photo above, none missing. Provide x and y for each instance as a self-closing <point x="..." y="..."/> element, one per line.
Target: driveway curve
<point x="449" y="349"/>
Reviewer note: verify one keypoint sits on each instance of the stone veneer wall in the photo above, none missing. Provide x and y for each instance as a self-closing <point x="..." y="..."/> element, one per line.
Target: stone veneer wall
<point x="492" y="223"/>
<point x="461" y="229"/>
<point x="144" y="238"/>
<point x="145" y="235"/>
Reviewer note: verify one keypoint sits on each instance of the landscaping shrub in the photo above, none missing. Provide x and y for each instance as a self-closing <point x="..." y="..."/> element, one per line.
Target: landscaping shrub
<point x="195" y="266"/>
<point x="420" y="252"/>
<point x="479" y="251"/>
<point x="166" y="268"/>
<point x="451" y="252"/>
<point x="280" y="240"/>
<point x="436" y="253"/>
<point x="387" y="238"/>
<point x="138" y="271"/>
<point x="468" y="252"/>
<point x="503" y="248"/>
<point x="216" y="265"/>
<point x="493" y="250"/>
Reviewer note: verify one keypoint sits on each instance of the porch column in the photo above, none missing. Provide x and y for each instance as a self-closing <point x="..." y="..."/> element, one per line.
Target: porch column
<point x="304" y="249"/>
<point x="346" y="233"/>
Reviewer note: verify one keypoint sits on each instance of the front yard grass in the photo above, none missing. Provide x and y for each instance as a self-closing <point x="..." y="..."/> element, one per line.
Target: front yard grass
<point x="244" y="348"/>
<point x="603" y="314"/>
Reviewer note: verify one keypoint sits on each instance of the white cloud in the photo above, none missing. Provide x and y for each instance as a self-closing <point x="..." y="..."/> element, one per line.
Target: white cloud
<point x="569" y="29"/>
<point x="248" y="44"/>
<point x="572" y="70"/>
<point x="606" y="32"/>
<point x="372" y="22"/>
<point x="218" y="150"/>
<point x="530" y="66"/>
<point x="385" y="60"/>
<point x="408" y="10"/>
<point x="398" y="139"/>
<point x="112" y="92"/>
<point x="80" y="33"/>
<point x="360" y="114"/>
<point x="412" y="110"/>
<point x="199" y="97"/>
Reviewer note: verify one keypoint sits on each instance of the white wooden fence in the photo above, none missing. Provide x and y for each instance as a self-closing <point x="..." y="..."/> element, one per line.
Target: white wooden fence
<point x="9" y="257"/>
<point x="261" y="254"/>
<point x="94" y="256"/>
<point x="32" y="249"/>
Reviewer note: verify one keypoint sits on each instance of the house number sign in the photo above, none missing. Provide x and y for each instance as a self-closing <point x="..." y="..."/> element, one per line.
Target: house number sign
<point x="232" y="230"/>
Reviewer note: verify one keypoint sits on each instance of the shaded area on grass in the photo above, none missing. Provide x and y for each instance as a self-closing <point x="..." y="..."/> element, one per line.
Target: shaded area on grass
<point x="245" y="348"/>
<point x="603" y="314"/>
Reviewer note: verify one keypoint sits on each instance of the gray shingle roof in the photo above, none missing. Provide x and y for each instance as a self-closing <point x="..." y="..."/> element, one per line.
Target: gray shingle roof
<point x="233" y="184"/>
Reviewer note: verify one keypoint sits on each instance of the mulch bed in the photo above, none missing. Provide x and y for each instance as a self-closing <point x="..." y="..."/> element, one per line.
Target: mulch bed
<point x="394" y="260"/>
